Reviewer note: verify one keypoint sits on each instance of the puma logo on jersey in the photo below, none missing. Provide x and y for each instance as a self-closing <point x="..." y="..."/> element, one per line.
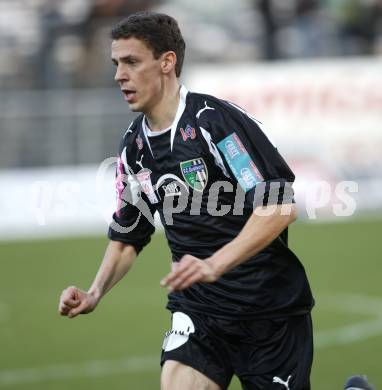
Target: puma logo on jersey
<point x="203" y="109"/>
<point x="276" y="379"/>
<point x="140" y="162"/>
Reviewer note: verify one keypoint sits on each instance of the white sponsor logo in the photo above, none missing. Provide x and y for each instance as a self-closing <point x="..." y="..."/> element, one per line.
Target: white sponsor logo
<point x="276" y="379"/>
<point x="181" y="185"/>
<point x="247" y="177"/>
<point x="232" y="148"/>
<point x="171" y="189"/>
<point x="182" y="327"/>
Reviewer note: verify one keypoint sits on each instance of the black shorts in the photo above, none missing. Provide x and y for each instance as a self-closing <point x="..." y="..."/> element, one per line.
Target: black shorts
<point x="265" y="354"/>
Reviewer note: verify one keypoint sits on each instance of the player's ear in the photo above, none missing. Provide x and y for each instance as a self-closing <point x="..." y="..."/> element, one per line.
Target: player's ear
<point x="168" y="61"/>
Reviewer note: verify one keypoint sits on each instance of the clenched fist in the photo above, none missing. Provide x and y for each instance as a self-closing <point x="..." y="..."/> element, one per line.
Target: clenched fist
<point x="74" y="301"/>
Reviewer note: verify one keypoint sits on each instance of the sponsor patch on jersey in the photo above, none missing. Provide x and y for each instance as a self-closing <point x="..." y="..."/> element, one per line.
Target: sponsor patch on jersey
<point x="144" y="178"/>
<point x="188" y="132"/>
<point x="195" y="173"/>
<point x="171" y="189"/>
<point x="139" y="142"/>
<point x="170" y="185"/>
<point x="240" y="162"/>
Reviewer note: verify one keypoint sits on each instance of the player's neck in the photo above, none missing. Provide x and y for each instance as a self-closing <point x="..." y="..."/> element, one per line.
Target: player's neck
<point x="163" y="114"/>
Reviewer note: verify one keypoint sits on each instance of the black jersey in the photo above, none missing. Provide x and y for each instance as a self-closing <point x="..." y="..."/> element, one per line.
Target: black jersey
<point x="204" y="176"/>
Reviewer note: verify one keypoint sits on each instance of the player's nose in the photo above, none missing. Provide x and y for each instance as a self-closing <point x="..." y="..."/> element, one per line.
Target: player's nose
<point x="120" y="74"/>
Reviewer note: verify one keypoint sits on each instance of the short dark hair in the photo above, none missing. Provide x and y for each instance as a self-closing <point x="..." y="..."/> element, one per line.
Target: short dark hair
<point x="160" y="32"/>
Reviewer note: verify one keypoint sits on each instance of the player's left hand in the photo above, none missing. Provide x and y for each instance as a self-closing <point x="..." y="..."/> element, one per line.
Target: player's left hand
<point x="188" y="271"/>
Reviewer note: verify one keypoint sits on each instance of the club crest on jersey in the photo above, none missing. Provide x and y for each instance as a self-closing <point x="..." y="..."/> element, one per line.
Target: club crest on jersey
<point x="188" y="132"/>
<point x="139" y="142"/>
<point x="195" y="173"/>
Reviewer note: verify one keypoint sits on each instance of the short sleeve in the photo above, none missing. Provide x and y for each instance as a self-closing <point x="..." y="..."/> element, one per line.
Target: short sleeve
<point x="133" y="221"/>
<point x="253" y="161"/>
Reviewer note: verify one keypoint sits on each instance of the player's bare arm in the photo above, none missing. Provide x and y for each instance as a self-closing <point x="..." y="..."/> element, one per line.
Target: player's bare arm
<point x="265" y="224"/>
<point x="117" y="261"/>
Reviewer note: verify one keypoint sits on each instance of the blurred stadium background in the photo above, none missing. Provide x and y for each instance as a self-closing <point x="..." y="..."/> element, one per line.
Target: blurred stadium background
<point x="311" y="70"/>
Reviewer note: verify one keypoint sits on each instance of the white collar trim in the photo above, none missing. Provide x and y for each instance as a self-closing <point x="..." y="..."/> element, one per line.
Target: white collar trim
<point x="151" y="133"/>
<point x="181" y="107"/>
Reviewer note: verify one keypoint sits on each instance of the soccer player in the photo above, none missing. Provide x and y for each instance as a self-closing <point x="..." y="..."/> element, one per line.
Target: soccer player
<point x="239" y="297"/>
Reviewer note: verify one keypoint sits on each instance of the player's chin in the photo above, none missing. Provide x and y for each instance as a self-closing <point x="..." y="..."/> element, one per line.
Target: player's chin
<point x="135" y="107"/>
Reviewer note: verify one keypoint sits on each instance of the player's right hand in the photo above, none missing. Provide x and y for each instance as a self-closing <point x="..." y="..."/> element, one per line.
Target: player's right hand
<point x="74" y="301"/>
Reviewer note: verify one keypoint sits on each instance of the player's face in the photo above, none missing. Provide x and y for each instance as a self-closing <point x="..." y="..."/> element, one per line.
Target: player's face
<point x="138" y="73"/>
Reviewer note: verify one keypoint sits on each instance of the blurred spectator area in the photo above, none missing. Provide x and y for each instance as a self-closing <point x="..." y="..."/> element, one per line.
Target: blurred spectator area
<point x="58" y="103"/>
<point x="65" y="43"/>
<point x="60" y="127"/>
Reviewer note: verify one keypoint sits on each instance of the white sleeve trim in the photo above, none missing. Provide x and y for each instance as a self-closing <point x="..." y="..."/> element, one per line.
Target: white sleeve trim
<point x="214" y="151"/>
